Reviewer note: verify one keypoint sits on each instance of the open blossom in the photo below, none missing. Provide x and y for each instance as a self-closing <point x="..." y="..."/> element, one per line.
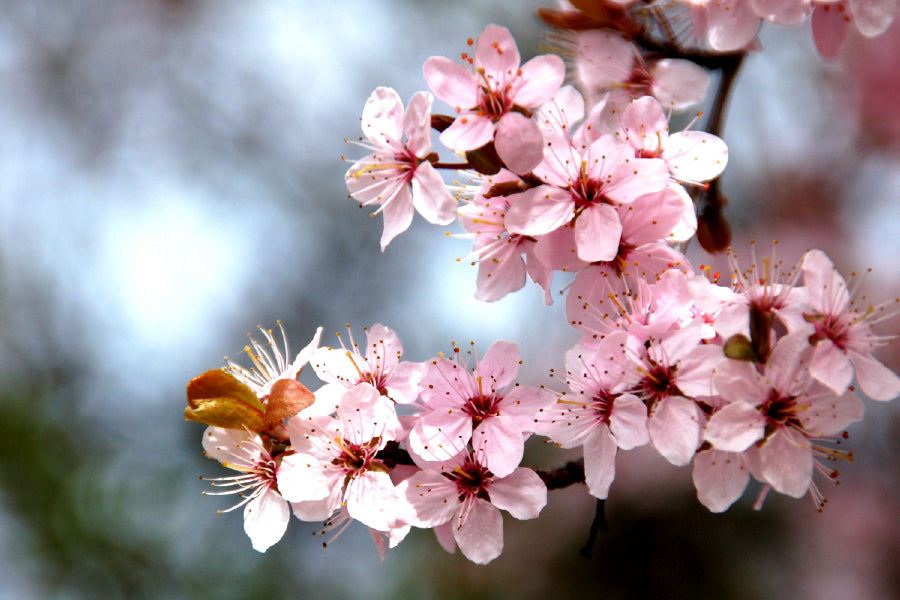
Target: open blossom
<point x="598" y="415"/>
<point x="462" y="501"/>
<point x="481" y="406"/>
<point x="334" y="462"/>
<point x="584" y="183"/>
<point x="398" y="176"/>
<point x="504" y="258"/>
<point x="675" y="369"/>
<point x="271" y="365"/>
<point x="843" y="335"/>
<point x="692" y="156"/>
<point x="266" y="513"/>
<point x="490" y="99"/>
<point x="611" y="70"/>
<point x="342" y="368"/>
<point x="779" y="415"/>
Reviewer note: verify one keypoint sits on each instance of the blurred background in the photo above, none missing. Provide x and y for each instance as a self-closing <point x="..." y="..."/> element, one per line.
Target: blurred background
<point x="171" y="176"/>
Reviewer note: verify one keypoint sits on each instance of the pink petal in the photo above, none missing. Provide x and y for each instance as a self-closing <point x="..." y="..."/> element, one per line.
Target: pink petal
<point x="873" y="17"/>
<point x="382" y="118"/>
<point x="738" y="381"/>
<point x="831" y="366"/>
<point x="830" y="28"/>
<point x="431" y="198"/>
<point x="675" y="429"/>
<point x="404" y="383"/>
<point x="265" y="519"/>
<point x="502" y="442"/>
<point x="468" y="132"/>
<point x="678" y="84"/>
<point x="732" y="24"/>
<point x="432" y="498"/>
<point x="784" y="12"/>
<point x="522" y="494"/>
<point x="451" y="82"/>
<point x="829" y="414"/>
<point x="499" y="365"/>
<point x="720" y="479"/>
<point x="372" y="500"/>
<point x="599" y="462"/>
<point x="398" y="214"/>
<point x="877" y="381"/>
<point x="542" y="77"/>
<point x="735" y="427"/>
<point x="787" y="463"/>
<point x="502" y="273"/>
<point x="438" y="436"/>
<point x="540" y="210"/>
<point x="496" y="52"/>
<point x="417" y="124"/>
<point x="480" y="534"/>
<point x="302" y="478"/>
<point x="597" y="233"/>
<point x="695" y="156"/>
<point x="628" y="422"/>
<point x="519" y="142"/>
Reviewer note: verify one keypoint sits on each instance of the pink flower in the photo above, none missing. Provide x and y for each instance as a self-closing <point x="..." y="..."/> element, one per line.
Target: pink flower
<point x="270" y="365"/>
<point x="398" y="175"/>
<point x="692" y="156"/>
<point x="597" y="415"/>
<point x="477" y="405"/>
<point x="779" y="413"/>
<point x="584" y="184"/>
<point x="675" y="369"/>
<point x="843" y="335"/>
<point x="463" y="499"/>
<point x="266" y="513"/>
<point x="504" y="258"/>
<point x="381" y="367"/>
<point x="492" y="98"/>
<point x="334" y="462"/>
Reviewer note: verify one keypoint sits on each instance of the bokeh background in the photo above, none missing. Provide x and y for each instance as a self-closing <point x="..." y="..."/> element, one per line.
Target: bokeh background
<point x="171" y="176"/>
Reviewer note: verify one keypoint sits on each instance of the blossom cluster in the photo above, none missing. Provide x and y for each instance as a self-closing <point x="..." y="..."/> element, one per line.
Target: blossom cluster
<point x="755" y="376"/>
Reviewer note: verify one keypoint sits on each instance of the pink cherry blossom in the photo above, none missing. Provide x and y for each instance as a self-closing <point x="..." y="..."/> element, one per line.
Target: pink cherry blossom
<point x="490" y="99"/>
<point x="398" y="176"/>
<point x="780" y="414"/>
<point x="266" y="513"/>
<point x="843" y="335"/>
<point x="503" y="258"/>
<point x="464" y="499"/>
<point x="271" y="365"/>
<point x="597" y="416"/>
<point x="334" y="462"/>
<point x="342" y="368"/>
<point x="675" y="369"/>
<point x="831" y="21"/>
<point x="583" y="184"/>
<point x="482" y="406"/>
<point x="692" y="156"/>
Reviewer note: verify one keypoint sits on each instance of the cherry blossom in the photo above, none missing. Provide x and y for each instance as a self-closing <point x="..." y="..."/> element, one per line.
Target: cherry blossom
<point x="270" y="365"/>
<point x="779" y="413"/>
<point x="381" y="367"/>
<point x="843" y="335"/>
<point x="490" y="99"/>
<point x="462" y="500"/>
<point x="480" y="405"/>
<point x="583" y="185"/>
<point x="334" y="462"/>
<point x="598" y="416"/>
<point x="398" y="176"/>
<point x="266" y="513"/>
